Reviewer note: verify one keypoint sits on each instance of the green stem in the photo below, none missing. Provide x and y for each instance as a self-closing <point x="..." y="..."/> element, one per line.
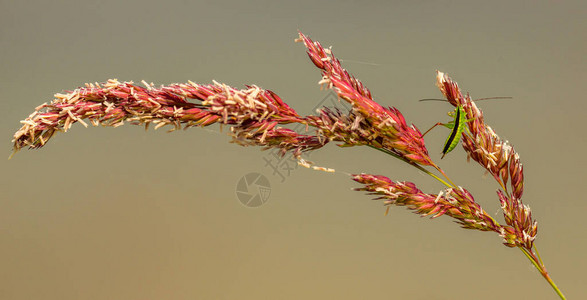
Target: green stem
<point x="445" y="176"/>
<point x="542" y="269"/>
<point x="538" y="255"/>
<point x="416" y="166"/>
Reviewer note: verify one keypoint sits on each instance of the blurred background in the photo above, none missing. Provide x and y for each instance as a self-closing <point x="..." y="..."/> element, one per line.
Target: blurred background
<point x="103" y="213"/>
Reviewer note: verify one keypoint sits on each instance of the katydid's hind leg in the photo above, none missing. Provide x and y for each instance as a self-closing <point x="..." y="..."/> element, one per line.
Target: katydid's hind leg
<point x="433" y="128"/>
<point x="449" y="125"/>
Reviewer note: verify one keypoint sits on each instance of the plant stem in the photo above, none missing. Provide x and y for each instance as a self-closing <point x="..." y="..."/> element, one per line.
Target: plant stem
<point x="445" y="176"/>
<point x="542" y="269"/>
<point x="417" y="166"/>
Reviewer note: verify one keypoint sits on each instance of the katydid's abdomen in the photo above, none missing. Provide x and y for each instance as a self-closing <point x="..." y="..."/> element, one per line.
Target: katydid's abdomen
<point x="457" y="130"/>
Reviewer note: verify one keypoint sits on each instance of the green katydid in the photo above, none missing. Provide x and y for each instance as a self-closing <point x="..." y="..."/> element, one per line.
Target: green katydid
<point x="457" y="125"/>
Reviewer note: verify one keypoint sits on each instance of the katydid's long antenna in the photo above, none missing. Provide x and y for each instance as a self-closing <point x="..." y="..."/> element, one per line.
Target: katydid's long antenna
<point x="432" y="99"/>
<point x="489" y="98"/>
<point x="474" y="100"/>
<point x="359" y="62"/>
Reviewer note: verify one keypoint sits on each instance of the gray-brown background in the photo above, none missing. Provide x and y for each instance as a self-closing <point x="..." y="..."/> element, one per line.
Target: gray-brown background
<point x="104" y="213"/>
